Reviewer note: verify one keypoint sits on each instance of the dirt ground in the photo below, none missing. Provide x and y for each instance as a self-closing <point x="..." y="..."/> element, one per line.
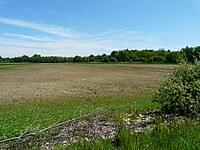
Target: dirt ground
<point x="58" y="81"/>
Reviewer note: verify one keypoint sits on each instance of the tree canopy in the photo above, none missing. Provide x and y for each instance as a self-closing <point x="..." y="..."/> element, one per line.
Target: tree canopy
<point x="127" y="56"/>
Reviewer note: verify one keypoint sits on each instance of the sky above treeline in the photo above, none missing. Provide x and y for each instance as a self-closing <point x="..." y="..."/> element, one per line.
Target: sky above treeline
<point x="84" y="27"/>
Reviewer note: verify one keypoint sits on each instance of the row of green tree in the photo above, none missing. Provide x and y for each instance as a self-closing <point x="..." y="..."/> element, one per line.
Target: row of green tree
<point x="142" y="56"/>
<point x="37" y="59"/>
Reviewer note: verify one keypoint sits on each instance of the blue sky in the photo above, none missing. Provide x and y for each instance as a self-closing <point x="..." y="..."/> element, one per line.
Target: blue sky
<point x="84" y="27"/>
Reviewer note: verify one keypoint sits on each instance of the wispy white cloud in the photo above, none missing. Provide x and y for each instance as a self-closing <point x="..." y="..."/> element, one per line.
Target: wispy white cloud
<point x="56" y="46"/>
<point x="42" y="39"/>
<point x="70" y="43"/>
<point x="56" y="30"/>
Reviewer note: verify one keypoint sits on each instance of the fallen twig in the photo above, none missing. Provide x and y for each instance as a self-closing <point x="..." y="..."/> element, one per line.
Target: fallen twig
<point x="49" y="127"/>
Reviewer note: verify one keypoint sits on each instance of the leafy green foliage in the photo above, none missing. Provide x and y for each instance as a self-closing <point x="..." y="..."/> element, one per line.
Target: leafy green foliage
<point x="141" y="56"/>
<point x="191" y="53"/>
<point x="180" y="93"/>
<point x="145" y="56"/>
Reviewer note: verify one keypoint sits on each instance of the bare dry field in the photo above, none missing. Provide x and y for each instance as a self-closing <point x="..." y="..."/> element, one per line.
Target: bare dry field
<point x="58" y="81"/>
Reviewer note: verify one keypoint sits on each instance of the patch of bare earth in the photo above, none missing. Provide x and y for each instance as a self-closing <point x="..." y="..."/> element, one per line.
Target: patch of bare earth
<point x="58" y="81"/>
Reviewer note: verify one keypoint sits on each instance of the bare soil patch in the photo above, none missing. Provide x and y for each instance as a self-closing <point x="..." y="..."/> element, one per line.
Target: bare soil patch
<point x="58" y="81"/>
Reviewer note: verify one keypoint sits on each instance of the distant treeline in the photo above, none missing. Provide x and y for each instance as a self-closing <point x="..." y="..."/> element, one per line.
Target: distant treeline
<point x="139" y="56"/>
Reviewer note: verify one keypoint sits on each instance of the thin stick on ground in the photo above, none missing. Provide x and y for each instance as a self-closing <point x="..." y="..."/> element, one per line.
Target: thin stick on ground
<point x="45" y="129"/>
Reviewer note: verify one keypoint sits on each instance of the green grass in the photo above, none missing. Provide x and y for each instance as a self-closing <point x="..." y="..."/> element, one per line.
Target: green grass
<point x="14" y="66"/>
<point x="125" y="104"/>
<point x="15" y="118"/>
<point x="176" y="136"/>
<point x="9" y="66"/>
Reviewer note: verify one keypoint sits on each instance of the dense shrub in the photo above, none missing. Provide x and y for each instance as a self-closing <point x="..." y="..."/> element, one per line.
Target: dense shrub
<point x="180" y="93"/>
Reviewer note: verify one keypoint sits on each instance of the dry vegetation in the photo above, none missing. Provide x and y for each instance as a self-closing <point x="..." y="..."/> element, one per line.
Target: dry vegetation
<point x="57" y="81"/>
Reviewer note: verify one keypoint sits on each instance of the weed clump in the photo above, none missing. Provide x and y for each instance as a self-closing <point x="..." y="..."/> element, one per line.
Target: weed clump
<point x="180" y="93"/>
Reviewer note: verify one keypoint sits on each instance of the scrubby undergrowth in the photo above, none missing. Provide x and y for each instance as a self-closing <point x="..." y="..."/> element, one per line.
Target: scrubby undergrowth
<point x="180" y="93"/>
<point x="172" y="136"/>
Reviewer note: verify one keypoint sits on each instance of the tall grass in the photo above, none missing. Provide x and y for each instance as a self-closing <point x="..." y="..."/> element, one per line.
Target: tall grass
<point x="175" y="136"/>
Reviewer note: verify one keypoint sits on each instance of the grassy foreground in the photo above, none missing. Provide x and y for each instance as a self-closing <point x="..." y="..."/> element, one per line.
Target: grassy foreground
<point x="17" y="118"/>
<point x="36" y="115"/>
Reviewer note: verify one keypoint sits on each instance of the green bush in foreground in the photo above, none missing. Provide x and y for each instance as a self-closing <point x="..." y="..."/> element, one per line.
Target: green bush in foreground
<point x="180" y="93"/>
